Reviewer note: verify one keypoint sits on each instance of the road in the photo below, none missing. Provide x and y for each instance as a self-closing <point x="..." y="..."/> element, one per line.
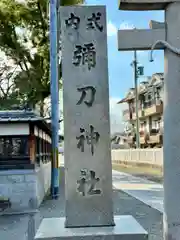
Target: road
<point x="148" y="192"/>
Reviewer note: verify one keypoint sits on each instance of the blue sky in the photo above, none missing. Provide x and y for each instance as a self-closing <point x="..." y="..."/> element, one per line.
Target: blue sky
<point x="120" y="71"/>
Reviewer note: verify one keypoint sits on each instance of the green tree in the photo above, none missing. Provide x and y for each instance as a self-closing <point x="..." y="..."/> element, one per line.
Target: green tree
<point x="24" y="37"/>
<point x="8" y="91"/>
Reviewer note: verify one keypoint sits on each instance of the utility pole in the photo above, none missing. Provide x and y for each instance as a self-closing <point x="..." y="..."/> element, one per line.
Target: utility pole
<point x="136" y="98"/>
<point x="54" y="82"/>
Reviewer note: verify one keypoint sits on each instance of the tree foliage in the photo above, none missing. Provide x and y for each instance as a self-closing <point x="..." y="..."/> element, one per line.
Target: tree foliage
<point x="8" y="91"/>
<point x="24" y="37"/>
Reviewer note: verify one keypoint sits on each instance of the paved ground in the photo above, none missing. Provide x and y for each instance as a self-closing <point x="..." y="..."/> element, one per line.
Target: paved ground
<point x="148" y="192"/>
<point x="23" y="227"/>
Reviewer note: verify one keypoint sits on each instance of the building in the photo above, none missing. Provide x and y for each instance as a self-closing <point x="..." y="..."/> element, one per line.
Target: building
<point x="25" y="160"/>
<point x="47" y="114"/>
<point x="150" y="111"/>
<point x="119" y="141"/>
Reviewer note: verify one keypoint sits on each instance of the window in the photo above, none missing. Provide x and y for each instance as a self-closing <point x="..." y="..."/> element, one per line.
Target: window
<point x="14" y="147"/>
<point x="148" y="99"/>
<point x="157" y="94"/>
<point x="156" y="124"/>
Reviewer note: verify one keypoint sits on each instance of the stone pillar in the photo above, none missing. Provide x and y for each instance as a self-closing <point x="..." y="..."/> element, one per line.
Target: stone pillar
<point x="88" y="169"/>
<point x="171" y="146"/>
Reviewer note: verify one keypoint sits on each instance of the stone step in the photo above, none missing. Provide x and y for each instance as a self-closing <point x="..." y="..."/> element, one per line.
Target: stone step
<point x="18" y="167"/>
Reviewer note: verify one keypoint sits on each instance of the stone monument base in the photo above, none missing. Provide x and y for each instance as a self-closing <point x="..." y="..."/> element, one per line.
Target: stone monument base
<point x="126" y="228"/>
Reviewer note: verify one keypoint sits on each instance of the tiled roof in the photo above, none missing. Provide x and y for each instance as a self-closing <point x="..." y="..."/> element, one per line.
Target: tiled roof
<point x="161" y="75"/>
<point x="19" y="115"/>
<point x="25" y="116"/>
<point x="143" y="87"/>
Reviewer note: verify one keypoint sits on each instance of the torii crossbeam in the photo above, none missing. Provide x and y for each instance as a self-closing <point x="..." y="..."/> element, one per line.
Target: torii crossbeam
<point x="163" y="36"/>
<point x="141" y="5"/>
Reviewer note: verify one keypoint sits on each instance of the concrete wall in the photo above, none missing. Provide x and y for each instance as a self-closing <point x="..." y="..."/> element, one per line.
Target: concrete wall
<point x="25" y="188"/>
<point x="152" y="157"/>
<point x="43" y="181"/>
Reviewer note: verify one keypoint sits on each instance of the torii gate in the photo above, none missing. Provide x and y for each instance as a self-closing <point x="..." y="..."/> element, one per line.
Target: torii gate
<point x="163" y="36"/>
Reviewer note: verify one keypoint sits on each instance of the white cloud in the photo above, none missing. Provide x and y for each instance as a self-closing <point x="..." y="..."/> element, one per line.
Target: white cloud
<point x="111" y="29"/>
<point x="116" y="120"/>
<point x="126" y="25"/>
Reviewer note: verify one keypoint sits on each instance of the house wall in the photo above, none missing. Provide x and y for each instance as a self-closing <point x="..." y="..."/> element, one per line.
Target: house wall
<point x="25" y="189"/>
<point x="151" y="123"/>
<point x="142" y="125"/>
<point x="153" y="94"/>
<point x="154" y="122"/>
<point x="14" y="129"/>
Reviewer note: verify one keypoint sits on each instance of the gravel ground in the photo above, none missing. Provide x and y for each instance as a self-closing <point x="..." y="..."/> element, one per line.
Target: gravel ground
<point x="23" y="227"/>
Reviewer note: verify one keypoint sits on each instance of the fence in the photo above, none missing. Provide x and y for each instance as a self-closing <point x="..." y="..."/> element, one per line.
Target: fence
<point x="153" y="157"/>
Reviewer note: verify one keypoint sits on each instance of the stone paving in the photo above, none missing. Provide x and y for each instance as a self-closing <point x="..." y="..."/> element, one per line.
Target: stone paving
<point x="23" y="227"/>
<point x="148" y="192"/>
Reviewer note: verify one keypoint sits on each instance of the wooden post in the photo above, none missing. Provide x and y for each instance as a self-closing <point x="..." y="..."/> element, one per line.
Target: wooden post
<point x="32" y="149"/>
